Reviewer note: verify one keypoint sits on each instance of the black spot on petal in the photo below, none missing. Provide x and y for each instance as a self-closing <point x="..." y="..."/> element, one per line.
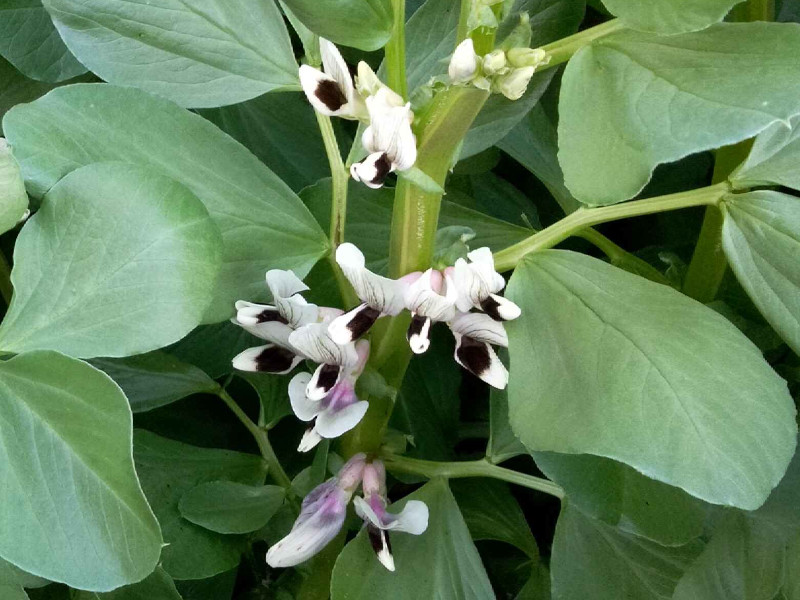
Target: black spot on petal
<point x="270" y="315"/>
<point x="330" y="94"/>
<point x="328" y="375"/>
<point x="362" y="321"/>
<point x="383" y="166"/>
<point x="492" y="308"/>
<point x="274" y="359"/>
<point x="474" y="355"/>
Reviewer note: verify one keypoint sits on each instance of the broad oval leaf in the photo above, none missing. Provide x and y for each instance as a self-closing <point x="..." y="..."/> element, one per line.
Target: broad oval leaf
<point x="591" y="559"/>
<point x="158" y="586"/>
<point x="202" y="53"/>
<point x="364" y="24"/>
<point x="30" y="42"/>
<point x="141" y="280"/>
<point x="168" y="469"/>
<point x="264" y="224"/>
<point x="761" y="239"/>
<point x="773" y="158"/>
<point x="442" y="563"/>
<point x="73" y="510"/>
<point x="608" y="363"/>
<point x="669" y="16"/>
<point x="230" y="507"/>
<point x="155" y="379"/>
<point x="631" y="101"/>
<point x="13" y="198"/>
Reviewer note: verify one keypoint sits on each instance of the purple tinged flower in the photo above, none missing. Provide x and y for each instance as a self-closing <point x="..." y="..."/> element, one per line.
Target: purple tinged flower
<point x="371" y="508"/>
<point x="430" y="297"/>
<point x="321" y="517"/>
<point x="338" y="412"/>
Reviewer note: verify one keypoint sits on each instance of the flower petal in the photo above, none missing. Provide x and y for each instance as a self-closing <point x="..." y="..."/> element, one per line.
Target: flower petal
<point x="314" y="341"/>
<point x="286" y="288"/>
<point x="381" y="293"/>
<point x="373" y="170"/>
<point x="479" y="358"/>
<point x="304" y="409"/>
<point x="353" y="324"/>
<point x="321" y="518"/>
<point x="464" y="63"/>
<point x="390" y="132"/>
<point x="323" y="92"/>
<point x="309" y="440"/>
<point x="500" y="309"/>
<point x="334" y="65"/>
<point x="270" y="358"/>
<point x="263" y="321"/>
<point x="412" y="519"/>
<point x="323" y="381"/>
<point x="379" y="540"/>
<point x="483" y="262"/>
<point x="418" y="334"/>
<point x="480" y="327"/>
<point x="423" y="298"/>
<point x="333" y="423"/>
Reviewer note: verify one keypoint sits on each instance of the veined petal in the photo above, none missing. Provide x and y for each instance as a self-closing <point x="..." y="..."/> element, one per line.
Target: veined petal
<point x="480" y="327"/>
<point x="373" y="170"/>
<point x="500" y="309"/>
<point x="334" y="65"/>
<point x="480" y="359"/>
<point x="321" y="518"/>
<point x="323" y="92"/>
<point x="270" y="358"/>
<point x="353" y="324"/>
<point x="323" y="381"/>
<point x="304" y="409"/>
<point x="390" y="132"/>
<point x="334" y="422"/>
<point x="286" y="288"/>
<point x="483" y="262"/>
<point x="418" y="334"/>
<point x="263" y="321"/>
<point x="381" y="293"/>
<point x="314" y="341"/>
<point x="424" y="298"/>
<point x="309" y="440"/>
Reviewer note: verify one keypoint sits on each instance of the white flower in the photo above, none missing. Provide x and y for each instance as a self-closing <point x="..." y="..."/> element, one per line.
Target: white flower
<point x="475" y="334"/>
<point x="388" y="140"/>
<point x="338" y="412"/>
<point x="432" y="297"/>
<point x="315" y="343"/>
<point x="371" y="508"/>
<point x="321" y="517"/>
<point x="368" y="84"/>
<point x="513" y="84"/>
<point x="275" y="323"/>
<point x="331" y="92"/>
<point x="477" y="283"/>
<point x="495" y="63"/>
<point x="379" y="296"/>
<point x="464" y="63"/>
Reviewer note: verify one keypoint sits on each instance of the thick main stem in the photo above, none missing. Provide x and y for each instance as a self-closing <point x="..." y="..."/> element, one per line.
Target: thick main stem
<point x="582" y="218"/>
<point x="395" y="51"/>
<point x="476" y="468"/>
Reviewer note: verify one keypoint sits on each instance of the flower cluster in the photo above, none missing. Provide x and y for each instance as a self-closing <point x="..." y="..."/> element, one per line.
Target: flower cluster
<point x="500" y="71"/>
<point x="388" y="139"/>
<point x="323" y="512"/>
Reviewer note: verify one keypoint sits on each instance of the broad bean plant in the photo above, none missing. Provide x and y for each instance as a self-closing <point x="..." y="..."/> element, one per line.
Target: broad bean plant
<point x="399" y="299"/>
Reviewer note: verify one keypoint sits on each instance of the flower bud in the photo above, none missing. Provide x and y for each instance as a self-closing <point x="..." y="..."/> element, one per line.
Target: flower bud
<point x="494" y="63"/>
<point x="514" y="84"/>
<point x="464" y="63"/>
<point x="527" y="57"/>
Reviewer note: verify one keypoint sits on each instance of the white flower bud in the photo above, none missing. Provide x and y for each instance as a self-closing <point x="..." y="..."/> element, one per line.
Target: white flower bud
<point x="527" y="57"/>
<point x="494" y="63"/>
<point x="514" y="84"/>
<point x="464" y="63"/>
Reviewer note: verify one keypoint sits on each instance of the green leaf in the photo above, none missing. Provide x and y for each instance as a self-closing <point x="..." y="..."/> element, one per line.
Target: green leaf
<point x="620" y="496"/>
<point x="229" y="507"/>
<point x="212" y="347"/>
<point x="773" y="158"/>
<point x="219" y="587"/>
<point x="200" y="54"/>
<point x="364" y="24"/>
<point x="16" y="88"/>
<point x="669" y="16"/>
<point x="155" y="379"/>
<point x="761" y="239"/>
<point x="13" y="198"/>
<point x="273" y="393"/>
<point x="141" y="280"/>
<point x="441" y="563"/>
<point x="263" y="223"/>
<point x="492" y="513"/>
<point x="266" y="124"/>
<point x="503" y="444"/>
<point x="168" y="470"/>
<point x="421" y="179"/>
<point x="608" y="363"/>
<point x="12" y="592"/>
<point x="30" y="42"/>
<point x="158" y="586"/>
<point x="73" y="508"/>
<point x="631" y="101"/>
<point x="593" y="560"/>
<point x="13" y="576"/>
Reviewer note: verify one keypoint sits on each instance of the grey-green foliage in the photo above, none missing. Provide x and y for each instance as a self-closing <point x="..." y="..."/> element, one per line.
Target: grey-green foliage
<point x="669" y="16"/>
<point x="200" y="54"/>
<point x="365" y="24"/>
<point x="118" y="260"/>
<point x="230" y="507"/>
<point x="13" y="198"/>
<point x="625" y="368"/>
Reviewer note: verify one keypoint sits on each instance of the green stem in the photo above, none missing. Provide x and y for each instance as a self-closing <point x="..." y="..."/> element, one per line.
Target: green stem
<point x="621" y="258"/>
<point x="6" y="289"/>
<point x="463" y="21"/>
<point x="582" y="218"/>
<point x="476" y="468"/>
<point x="562" y="50"/>
<point x="396" y="51"/>
<point x="260" y="436"/>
